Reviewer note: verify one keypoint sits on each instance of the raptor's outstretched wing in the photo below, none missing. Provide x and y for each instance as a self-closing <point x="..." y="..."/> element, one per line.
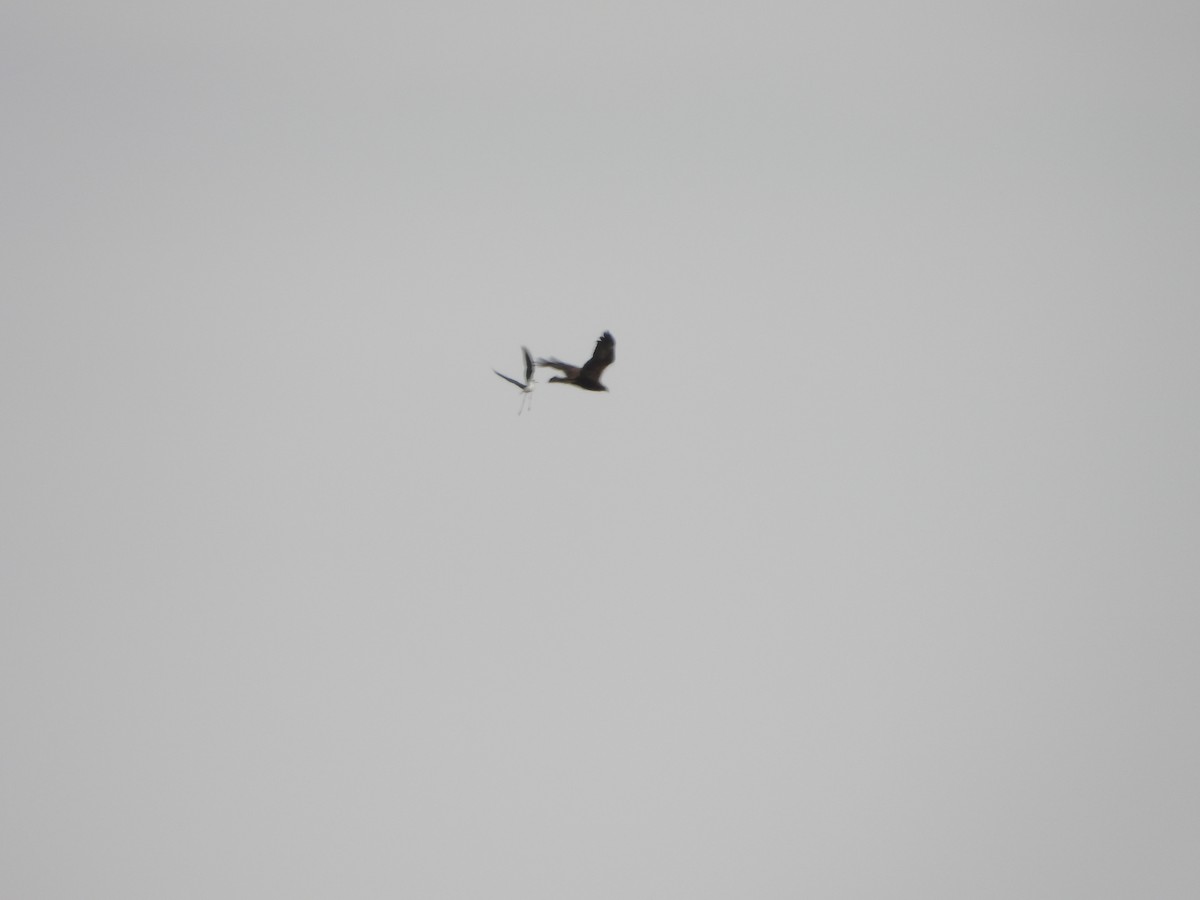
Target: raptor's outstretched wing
<point x="602" y="357"/>
<point x="568" y="370"/>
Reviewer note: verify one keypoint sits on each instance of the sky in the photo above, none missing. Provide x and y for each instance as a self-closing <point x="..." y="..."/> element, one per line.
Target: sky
<point x="872" y="575"/>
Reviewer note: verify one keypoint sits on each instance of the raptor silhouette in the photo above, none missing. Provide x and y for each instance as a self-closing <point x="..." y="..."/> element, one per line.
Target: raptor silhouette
<point x="527" y="387"/>
<point x="588" y="375"/>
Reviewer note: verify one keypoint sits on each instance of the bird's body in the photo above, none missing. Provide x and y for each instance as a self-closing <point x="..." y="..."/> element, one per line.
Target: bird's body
<point x="588" y="375"/>
<point x="527" y="386"/>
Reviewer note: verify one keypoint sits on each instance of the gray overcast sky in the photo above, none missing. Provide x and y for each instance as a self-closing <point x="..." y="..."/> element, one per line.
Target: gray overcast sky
<point x="872" y="576"/>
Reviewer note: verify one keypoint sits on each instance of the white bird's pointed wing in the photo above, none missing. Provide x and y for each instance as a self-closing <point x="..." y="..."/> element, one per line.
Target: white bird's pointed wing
<point x="511" y="380"/>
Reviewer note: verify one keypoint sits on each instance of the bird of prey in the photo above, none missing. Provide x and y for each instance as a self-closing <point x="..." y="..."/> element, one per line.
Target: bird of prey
<point x="586" y="376"/>
<point x="527" y="387"/>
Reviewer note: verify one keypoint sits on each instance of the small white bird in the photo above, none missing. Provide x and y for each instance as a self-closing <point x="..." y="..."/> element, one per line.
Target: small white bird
<point x="527" y="387"/>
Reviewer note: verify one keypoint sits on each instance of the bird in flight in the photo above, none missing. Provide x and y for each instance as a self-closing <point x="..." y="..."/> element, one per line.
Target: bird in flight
<point x="588" y="375"/>
<point x="527" y="387"/>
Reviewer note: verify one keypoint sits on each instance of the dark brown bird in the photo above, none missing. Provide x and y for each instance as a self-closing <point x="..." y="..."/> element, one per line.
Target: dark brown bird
<point x="588" y="375"/>
<point x="527" y="387"/>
